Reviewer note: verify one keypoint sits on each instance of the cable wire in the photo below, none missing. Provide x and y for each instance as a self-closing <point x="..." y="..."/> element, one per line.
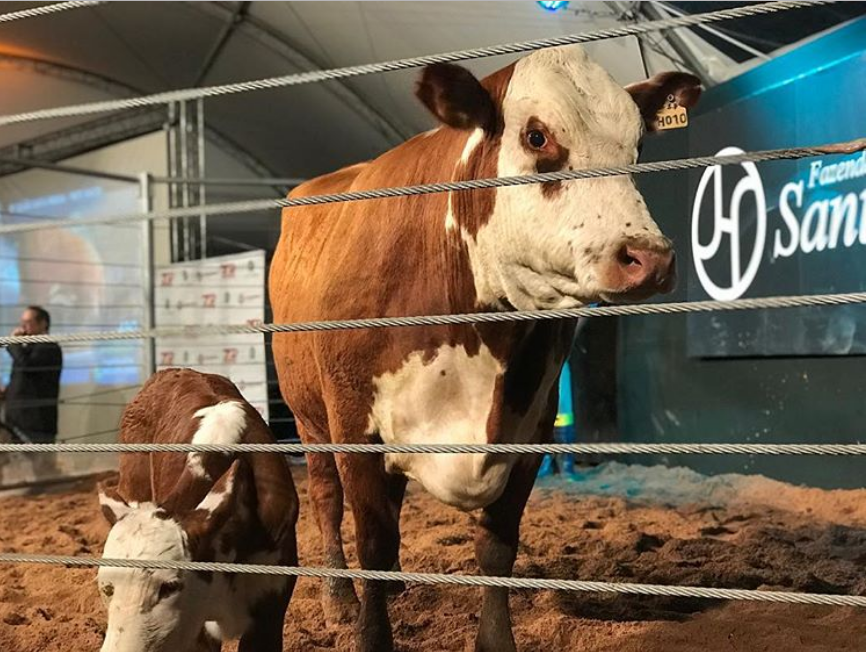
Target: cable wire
<point x="35" y="12"/>
<point x="486" y="449"/>
<point x="405" y="64"/>
<point x="683" y="307"/>
<point x="790" y="153"/>
<point x="452" y="579"/>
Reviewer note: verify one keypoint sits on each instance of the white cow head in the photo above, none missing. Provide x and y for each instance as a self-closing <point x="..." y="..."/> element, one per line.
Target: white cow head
<point x="559" y="244"/>
<point x="161" y="610"/>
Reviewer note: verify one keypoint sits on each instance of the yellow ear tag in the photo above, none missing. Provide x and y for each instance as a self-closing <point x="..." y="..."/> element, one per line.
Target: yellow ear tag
<point x="672" y="115"/>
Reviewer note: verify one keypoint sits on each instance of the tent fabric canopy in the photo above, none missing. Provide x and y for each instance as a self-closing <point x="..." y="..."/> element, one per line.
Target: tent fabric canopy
<point x="125" y="49"/>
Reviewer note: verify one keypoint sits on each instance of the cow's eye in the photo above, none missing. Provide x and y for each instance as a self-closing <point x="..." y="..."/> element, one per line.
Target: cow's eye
<point x="107" y="590"/>
<point x="536" y="139"/>
<point x="168" y="589"/>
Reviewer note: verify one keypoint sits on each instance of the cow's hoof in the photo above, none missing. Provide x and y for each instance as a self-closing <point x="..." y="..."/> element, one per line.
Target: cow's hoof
<point x="482" y="647"/>
<point x="495" y="642"/>
<point x="340" y="609"/>
<point x="374" y="638"/>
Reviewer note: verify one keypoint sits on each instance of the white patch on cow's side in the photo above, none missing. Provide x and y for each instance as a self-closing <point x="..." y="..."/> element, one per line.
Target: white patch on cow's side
<point x="223" y="423"/>
<point x="445" y="398"/>
<point x="550" y="251"/>
<point x="472" y="142"/>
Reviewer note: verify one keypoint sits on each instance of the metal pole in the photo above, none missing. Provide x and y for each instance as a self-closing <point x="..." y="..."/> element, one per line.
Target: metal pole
<point x="67" y="169"/>
<point x="223" y="181"/>
<point x="745" y="47"/>
<point x="148" y="272"/>
<point x="679" y="45"/>
<point x="173" y="234"/>
<point x="201" y="173"/>
<point x="184" y="171"/>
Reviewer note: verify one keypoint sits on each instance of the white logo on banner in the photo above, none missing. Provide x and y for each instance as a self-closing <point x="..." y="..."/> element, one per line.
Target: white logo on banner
<point x="727" y="222"/>
<point x="806" y="228"/>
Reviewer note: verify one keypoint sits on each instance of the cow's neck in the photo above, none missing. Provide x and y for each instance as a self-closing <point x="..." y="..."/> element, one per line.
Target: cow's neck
<point x="469" y="283"/>
<point x="413" y="262"/>
<point x="527" y="351"/>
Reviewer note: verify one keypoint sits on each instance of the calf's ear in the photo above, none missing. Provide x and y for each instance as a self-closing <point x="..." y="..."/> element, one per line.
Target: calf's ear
<point x="456" y="97"/>
<point x="225" y="498"/>
<point x="113" y="506"/>
<point x="652" y="94"/>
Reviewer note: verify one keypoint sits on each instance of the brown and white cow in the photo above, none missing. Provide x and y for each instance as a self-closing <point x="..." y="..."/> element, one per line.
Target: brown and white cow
<point x="197" y="507"/>
<point x="537" y="246"/>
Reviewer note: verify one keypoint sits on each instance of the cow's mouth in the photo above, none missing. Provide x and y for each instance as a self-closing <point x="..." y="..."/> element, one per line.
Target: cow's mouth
<point x="663" y="283"/>
<point x="627" y="296"/>
<point x="640" y="293"/>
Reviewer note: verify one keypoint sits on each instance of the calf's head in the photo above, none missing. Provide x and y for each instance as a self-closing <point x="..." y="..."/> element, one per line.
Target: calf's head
<point x="556" y="244"/>
<point x="161" y="610"/>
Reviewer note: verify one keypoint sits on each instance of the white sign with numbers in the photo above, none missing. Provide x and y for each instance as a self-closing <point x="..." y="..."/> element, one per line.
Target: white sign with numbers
<point x="221" y="290"/>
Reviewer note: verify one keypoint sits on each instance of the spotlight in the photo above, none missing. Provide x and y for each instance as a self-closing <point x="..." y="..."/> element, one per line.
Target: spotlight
<point x="553" y="5"/>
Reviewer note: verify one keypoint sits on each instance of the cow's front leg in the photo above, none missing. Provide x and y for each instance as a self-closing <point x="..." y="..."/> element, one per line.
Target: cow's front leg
<point x="371" y="492"/>
<point x="496" y="541"/>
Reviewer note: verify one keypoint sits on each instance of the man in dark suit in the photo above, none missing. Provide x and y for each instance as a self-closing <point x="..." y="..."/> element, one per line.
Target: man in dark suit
<point x="34" y="386"/>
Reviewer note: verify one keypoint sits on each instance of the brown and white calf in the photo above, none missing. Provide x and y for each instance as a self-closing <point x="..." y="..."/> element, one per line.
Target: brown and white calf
<point x="530" y="247"/>
<point x="197" y="507"/>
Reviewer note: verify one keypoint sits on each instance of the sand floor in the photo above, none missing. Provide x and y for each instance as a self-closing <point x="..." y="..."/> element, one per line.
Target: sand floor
<point x="732" y="532"/>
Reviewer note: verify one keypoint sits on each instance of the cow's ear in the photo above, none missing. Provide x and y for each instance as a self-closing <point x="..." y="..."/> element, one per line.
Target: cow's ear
<point x="113" y="506"/>
<point x="210" y="515"/>
<point x="456" y="97"/>
<point x="651" y="95"/>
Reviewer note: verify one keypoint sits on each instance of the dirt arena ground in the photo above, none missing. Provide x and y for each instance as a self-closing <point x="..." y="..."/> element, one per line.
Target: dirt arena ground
<point x="683" y="529"/>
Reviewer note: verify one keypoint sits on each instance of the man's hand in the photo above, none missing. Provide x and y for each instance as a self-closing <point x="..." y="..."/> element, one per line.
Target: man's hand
<point x="18" y="332"/>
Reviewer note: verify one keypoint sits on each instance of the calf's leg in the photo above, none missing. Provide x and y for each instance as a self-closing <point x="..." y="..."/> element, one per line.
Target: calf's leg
<point x="207" y="643"/>
<point x="266" y="631"/>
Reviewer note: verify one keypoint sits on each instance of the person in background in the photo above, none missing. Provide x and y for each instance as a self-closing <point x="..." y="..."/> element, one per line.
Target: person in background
<point x="563" y="432"/>
<point x="34" y="385"/>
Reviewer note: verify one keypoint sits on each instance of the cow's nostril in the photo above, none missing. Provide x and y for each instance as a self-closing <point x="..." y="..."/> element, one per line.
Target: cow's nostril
<point x="626" y="259"/>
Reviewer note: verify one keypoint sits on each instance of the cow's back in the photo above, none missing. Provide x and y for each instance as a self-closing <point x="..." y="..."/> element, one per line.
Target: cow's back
<point x="304" y="236"/>
<point x="295" y="287"/>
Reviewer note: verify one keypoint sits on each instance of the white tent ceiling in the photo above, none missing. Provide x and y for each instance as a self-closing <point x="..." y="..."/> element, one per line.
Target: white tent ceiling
<point x="129" y="48"/>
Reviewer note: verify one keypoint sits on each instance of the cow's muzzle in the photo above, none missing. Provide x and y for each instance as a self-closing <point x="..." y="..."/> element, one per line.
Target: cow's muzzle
<point x="641" y="269"/>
